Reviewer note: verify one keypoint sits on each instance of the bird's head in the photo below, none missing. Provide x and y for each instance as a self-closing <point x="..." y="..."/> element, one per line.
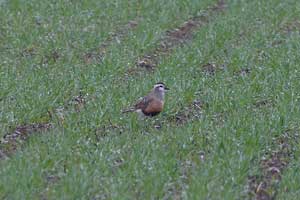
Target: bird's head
<point x="160" y="88"/>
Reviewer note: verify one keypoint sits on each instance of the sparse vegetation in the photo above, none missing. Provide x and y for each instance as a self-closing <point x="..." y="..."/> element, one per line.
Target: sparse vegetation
<point x="230" y="128"/>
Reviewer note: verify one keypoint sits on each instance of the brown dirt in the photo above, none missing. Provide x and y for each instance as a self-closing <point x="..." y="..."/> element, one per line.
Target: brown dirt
<point x="9" y="142"/>
<point x="52" y="179"/>
<point x="243" y="72"/>
<point x="187" y="164"/>
<point x="29" y="51"/>
<point x="53" y="56"/>
<point x="286" y="29"/>
<point x="120" y="33"/>
<point x="174" y="38"/>
<point x="289" y="27"/>
<point x="175" y="189"/>
<point x="104" y="130"/>
<point x="212" y="68"/>
<point x="209" y="68"/>
<point x="78" y="101"/>
<point x="272" y="165"/>
<point x="50" y="57"/>
<point x="191" y="112"/>
<point x="263" y="103"/>
<point x="75" y="104"/>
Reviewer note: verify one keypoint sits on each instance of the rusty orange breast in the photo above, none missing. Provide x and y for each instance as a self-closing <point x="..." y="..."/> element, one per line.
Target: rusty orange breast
<point x="154" y="107"/>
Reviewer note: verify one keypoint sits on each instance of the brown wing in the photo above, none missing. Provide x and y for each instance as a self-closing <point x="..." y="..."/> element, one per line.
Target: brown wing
<point x="150" y="106"/>
<point x="142" y="104"/>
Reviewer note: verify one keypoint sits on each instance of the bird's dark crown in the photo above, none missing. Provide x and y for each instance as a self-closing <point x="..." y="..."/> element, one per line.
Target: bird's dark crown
<point x="161" y="84"/>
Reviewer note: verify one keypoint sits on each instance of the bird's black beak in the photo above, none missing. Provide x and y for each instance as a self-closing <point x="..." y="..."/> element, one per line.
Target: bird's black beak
<point x="166" y="88"/>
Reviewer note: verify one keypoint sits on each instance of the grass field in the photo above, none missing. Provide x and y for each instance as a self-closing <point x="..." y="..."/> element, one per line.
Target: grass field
<point x="230" y="126"/>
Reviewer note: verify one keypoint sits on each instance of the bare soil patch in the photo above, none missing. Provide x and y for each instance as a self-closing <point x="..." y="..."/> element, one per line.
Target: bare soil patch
<point x="191" y="112"/>
<point x="212" y="68"/>
<point x="77" y="102"/>
<point x="49" y="57"/>
<point x="106" y="128"/>
<point x="96" y="55"/>
<point x="29" y="51"/>
<point x="174" y="190"/>
<point x="9" y="142"/>
<point x="286" y="29"/>
<point x="291" y="26"/>
<point x="272" y="165"/>
<point x="263" y="102"/>
<point x="53" y="56"/>
<point x="243" y="72"/>
<point x="175" y="37"/>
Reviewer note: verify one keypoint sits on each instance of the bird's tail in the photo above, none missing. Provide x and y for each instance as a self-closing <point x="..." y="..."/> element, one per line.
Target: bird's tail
<point x="128" y="110"/>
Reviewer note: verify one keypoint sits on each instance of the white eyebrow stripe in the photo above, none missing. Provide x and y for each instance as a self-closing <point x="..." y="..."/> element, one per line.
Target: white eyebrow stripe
<point x="158" y="85"/>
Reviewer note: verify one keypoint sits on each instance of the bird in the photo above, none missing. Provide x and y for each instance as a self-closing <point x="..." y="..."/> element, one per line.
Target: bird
<point x="152" y="104"/>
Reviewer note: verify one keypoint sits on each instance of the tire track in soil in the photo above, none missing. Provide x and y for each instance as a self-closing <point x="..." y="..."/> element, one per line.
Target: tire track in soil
<point x="10" y="141"/>
<point x="272" y="165"/>
<point x="174" y="38"/>
<point x="195" y="109"/>
<point x="119" y="35"/>
<point x="189" y="113"/>
<point x="264" y="186"/>
<point x="286" y="29"/>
